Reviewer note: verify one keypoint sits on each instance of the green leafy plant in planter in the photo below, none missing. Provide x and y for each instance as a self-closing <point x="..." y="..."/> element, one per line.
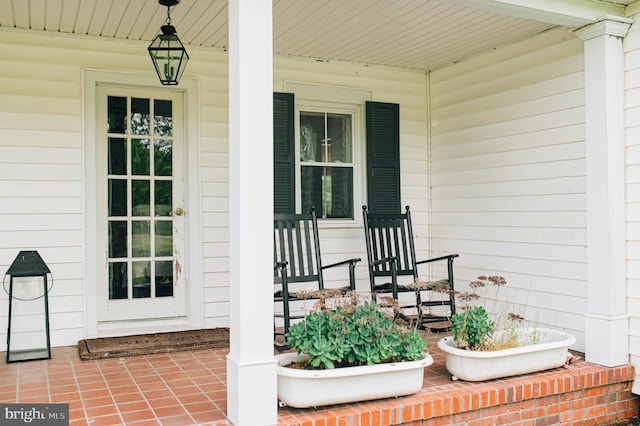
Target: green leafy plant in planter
<point x="472" y="327"/>
<point x="354" y="333"/>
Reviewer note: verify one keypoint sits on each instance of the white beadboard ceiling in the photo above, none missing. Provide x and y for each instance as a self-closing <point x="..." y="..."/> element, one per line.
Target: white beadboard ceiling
<point x="418" y="34"/>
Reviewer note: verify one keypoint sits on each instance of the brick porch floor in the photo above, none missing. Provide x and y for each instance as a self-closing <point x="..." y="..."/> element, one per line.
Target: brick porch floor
<point x="189" y="388"/>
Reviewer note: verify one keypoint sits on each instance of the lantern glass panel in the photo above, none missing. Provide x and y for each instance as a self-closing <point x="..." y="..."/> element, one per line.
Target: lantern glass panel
<point x="28" y="328"/>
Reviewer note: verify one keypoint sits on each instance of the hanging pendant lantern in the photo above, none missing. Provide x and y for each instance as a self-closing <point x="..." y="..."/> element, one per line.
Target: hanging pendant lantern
<point x="167" y="51"/>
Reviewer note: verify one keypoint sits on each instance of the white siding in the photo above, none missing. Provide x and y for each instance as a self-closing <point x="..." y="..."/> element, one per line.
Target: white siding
<point x="632" y="158"/>
<point x="508" y="175"/>
<point x="42" y="161"/>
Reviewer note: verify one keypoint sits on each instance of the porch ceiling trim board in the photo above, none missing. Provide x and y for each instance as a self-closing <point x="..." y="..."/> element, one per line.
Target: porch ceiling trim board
<point x="568" y="13"/>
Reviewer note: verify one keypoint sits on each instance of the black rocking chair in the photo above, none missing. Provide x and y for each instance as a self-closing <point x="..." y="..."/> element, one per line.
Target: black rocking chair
<point x="298" y="269"/>
<point x="391" y="253"/>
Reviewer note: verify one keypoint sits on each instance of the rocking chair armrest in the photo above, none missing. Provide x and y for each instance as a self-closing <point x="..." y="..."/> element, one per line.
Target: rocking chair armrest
<point x="389" y="259"/>
<point x="280" y="265"/>
<point x="435" y="259"/>
<point x="352" y="268"/>
<point x="344" y="262"/>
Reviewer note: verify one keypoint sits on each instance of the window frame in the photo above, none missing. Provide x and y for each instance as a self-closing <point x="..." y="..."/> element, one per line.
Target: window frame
<point x="358" y="155"/>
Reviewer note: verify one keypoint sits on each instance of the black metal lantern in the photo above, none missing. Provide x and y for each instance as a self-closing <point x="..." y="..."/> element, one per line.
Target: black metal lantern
<point x="28" y="329"/>
<point x="167" y="52"/>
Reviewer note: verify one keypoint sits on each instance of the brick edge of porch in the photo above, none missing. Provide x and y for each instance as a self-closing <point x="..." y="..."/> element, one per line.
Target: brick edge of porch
<point x="582" y="394"/>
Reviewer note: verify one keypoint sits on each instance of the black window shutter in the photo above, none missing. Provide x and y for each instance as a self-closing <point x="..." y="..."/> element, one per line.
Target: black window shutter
<point x="383" y="157"/>
<point x="284" y="200"/>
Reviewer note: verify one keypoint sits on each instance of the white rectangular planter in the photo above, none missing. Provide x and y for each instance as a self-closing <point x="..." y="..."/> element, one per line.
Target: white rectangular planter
<point x="312" y="388"/>
<point x="473" y="366"/>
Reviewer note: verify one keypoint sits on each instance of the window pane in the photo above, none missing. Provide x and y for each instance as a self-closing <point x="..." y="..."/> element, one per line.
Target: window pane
<point x="117" y="114"/>
<point x="329" y="190"/>
<point x="118" y="280"/>
<point x="141" y="279"/>
<point x="140" y="238"/>
<point x="338" y="144"/>
<point x="338" y="192"/>
<point x="163" y="194"/>
<point x="140" y="198"/>
<point x="311" y="188"/>
<point x="117" y="239"/>
<point x="163" y="121"/>
<point x="117" y="156"/>
<point x="164" y="279"/>
<point x="164" y="237"/>
<point x="311" y="136"/>
<point x="140" y="158"/>
<point x="139" y="116"/>
<point x="162" y="158"/>
<point x="117" y="197"/>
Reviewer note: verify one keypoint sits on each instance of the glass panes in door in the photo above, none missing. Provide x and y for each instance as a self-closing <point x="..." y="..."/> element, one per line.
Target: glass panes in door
<point x="140" y="201"/>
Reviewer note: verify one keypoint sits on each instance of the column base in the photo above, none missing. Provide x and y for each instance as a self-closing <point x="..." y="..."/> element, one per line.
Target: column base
<point x="607" y="339"/>
<point x="252" y="392"/>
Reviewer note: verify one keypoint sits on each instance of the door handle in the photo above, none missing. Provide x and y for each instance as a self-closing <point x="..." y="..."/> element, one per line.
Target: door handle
<point x="177" y="212"/>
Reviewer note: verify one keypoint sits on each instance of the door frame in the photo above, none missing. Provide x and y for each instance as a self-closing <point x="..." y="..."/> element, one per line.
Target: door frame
<point x="193" y="255"/>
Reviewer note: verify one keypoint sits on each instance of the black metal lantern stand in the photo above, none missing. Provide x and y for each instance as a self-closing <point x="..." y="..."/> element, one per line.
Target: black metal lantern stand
<point x="28" y="329"/>
<point x="167" y="51"/>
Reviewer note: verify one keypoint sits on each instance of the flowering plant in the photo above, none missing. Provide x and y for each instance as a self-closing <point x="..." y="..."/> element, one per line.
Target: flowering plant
<point x="472" y="327"/>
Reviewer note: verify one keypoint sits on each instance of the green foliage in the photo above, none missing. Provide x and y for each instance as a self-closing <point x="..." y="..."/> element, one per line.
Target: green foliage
<point x="354" y="335"/>
<point x="472" y="328"/>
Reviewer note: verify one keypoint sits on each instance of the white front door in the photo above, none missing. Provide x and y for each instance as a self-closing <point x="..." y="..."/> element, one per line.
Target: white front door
<point x="140" y="204"/>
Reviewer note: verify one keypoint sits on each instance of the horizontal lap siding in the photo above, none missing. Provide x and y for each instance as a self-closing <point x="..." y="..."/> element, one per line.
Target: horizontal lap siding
<point x="41" y="173"/>
<point x="632" y="159"/>
<point x="42" y="164"/>
<point x="508" y="175"/>
<point x="406" y="88"/>
<point x="42" y="160"/>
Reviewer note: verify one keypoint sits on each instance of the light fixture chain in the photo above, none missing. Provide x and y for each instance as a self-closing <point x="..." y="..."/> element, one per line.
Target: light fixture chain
<point x="168" y="15"/>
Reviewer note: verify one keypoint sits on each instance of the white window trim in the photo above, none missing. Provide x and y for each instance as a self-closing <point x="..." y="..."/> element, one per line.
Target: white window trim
<point x="327" y="98"/>
<point x="358" y="152"/>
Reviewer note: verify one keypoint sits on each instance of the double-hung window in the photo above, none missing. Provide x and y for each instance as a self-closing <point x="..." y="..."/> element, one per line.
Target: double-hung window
<point x="319" y="158"/>
<point x="327" y="171"/>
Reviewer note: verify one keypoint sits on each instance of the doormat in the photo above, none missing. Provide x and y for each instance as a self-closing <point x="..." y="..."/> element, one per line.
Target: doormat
<point x="146" y="344"/>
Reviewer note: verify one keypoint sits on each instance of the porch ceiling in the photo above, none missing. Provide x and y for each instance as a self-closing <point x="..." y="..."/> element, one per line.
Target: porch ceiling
<point x="418" y="34"/>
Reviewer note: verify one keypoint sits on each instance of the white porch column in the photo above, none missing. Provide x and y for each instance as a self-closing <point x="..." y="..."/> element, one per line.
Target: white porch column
<point x="606" y="326"/>
<point x="251" y="366"/>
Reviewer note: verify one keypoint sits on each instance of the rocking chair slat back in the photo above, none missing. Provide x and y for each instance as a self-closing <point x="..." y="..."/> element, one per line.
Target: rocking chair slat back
<point x="389" y="236"/>
<point x="296" y="242"/>
<point x="298" y="268"/>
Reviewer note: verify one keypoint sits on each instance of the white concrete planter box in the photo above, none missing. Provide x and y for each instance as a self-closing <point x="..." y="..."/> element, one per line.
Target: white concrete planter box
<point x="475" y="366"/>
<point x="312" y="388"/>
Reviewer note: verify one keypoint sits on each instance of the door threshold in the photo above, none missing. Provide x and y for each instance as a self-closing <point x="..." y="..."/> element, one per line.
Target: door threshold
<point x="157" y="325"/>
